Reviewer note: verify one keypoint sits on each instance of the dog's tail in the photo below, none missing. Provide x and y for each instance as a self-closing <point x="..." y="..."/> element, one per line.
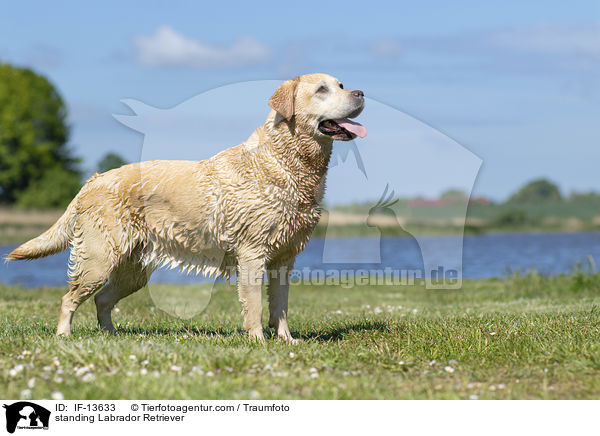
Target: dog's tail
<point x="52" y="241"/>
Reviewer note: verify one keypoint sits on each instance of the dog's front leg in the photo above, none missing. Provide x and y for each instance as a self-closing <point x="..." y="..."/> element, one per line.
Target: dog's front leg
<point x="278" y="290"/>
<point x="250" y="276"/>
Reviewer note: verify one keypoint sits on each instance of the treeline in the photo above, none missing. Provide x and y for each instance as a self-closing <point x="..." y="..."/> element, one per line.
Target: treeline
<point x="538" y="205"/>
<point x="38" y="169"/>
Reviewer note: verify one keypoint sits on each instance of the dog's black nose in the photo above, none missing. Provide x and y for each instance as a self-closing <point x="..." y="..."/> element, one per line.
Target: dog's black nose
<point x="358" y="94"/>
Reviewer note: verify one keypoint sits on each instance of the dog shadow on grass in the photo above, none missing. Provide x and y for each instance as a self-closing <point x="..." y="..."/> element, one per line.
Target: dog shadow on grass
<point x="339" y="333"/>
<point x="330" y="334"/>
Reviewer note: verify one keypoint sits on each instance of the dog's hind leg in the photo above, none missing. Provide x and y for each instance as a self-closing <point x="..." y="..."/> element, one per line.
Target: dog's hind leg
<point x="90" y="269"/>
<point x="125" y="280"/>
<point x="92" y="279"/>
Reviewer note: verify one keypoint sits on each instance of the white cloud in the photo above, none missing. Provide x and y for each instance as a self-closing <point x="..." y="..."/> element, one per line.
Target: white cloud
<point x="581" y="40"/>
<point x="386" y="48"/>
<point x="168" y="47"/>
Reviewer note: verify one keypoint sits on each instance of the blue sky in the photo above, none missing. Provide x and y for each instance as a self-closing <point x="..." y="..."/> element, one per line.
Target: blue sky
<point x="517" y="83"/>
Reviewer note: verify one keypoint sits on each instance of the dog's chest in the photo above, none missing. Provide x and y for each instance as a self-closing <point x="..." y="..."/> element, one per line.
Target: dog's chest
<point x="291" y="228"/>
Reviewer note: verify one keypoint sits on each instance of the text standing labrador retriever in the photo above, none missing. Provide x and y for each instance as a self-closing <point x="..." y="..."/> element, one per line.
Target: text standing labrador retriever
<point x="250" y="208"/>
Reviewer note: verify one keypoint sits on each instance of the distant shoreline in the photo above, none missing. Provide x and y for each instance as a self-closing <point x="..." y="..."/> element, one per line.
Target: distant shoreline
<point x="18" y="226"/>
<point x="342" y="231"/>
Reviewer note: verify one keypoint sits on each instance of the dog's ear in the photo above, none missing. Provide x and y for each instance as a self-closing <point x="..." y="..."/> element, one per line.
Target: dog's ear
<point x="283" y="99"/>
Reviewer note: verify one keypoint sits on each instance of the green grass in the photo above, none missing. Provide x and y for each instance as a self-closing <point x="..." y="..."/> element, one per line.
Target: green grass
<point x="526" y="337"/>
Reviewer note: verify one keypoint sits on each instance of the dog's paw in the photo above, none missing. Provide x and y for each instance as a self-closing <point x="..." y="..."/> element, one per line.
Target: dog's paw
<point x="256" y="336"/>
<point x="287" y="337"/>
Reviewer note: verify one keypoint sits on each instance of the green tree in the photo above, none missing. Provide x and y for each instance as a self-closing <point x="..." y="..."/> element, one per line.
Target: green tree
<point x="512" y="218"/>
<point x="109" y="161"/>
<point x="55" y="189"/>
<point x="454" y="194"/>
<point x="33" y="138"/>
<point x="536" y="191"/>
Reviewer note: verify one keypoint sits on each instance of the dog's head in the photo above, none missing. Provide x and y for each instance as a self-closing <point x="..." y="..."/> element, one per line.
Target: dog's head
<point x="320" y="107"/>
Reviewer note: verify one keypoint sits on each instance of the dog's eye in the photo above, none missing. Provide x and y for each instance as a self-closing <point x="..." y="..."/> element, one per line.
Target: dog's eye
<point x="322" y="89"/>
<point x="341" y="86"/>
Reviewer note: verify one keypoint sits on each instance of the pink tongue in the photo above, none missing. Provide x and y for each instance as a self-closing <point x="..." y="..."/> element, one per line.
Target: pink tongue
<point x="356" y="128"/>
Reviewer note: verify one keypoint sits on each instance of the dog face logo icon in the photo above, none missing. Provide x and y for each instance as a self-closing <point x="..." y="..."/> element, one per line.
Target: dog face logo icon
<point x="26" y="415"/>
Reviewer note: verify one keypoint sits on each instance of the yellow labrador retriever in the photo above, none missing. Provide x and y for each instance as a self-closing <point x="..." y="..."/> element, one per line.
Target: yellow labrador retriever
<point x="250" y="209"/>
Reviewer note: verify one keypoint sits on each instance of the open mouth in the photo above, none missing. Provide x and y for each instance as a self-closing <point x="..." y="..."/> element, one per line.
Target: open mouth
<point x="342" y="129"/>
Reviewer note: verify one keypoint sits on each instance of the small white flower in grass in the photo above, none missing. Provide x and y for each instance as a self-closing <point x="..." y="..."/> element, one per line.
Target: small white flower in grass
<point x="254" y="395"/>
<point x="175" y="368"/>
<point x="452" y="362"/>
<point x="473" y="397"/>
<point x="38" y="350"/>
<point x="26" y="353"/>
<point x="57" y="396"/>
<point x="401" y="362"/>
<point x="31" y="383"/>
<point x="449" y="369"/>
<point x="292" y="355"/>
<point x="143" y="371"/>
<point x="313" y="370"/>
<point x="314" y="375"/>
<point x="56" y="362"/>
<point x="129" y="373"/>
<point x="16" y="370"/>
<point x="501" y="386"/>
<point x="81" y="371"/>
<point x="377" y="310"/>
<point x="197" y="370"/>
<point x="210" y="374"/>
<point x="88" y="377"/>
<point x="26" y="394"/>
<point x="145" y="362"/>
<point x="58" y="379"/>
<point x="492" y="333"/>
<point x="415" y="310"/>
<point x="156" y="374"/>
<point x="132" y="357"/>
<point x="433" y="362"/>
<point x="117" y="310"/>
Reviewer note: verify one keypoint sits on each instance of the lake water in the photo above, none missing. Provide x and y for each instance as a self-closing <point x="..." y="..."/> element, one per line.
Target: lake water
<point x="484" y="256"/>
